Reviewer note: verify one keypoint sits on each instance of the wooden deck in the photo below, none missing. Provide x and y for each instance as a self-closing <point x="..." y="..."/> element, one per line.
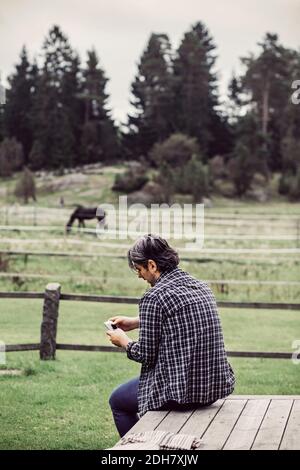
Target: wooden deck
<point x="239" y="422"/>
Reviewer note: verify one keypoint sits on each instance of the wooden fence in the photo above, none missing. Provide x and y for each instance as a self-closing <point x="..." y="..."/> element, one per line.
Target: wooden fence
<point x="52" y="297"/>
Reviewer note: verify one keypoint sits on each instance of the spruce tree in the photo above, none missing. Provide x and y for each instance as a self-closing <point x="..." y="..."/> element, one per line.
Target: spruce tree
<point x="152" y="97"/>
<point x="53" y="125"/>
<point x="19" y="102"/>
<point x="195" y="87"/>
<point x="99" y="141"/>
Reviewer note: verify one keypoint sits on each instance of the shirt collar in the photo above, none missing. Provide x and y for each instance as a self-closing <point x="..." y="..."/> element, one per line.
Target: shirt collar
<point x="166" y="274"/>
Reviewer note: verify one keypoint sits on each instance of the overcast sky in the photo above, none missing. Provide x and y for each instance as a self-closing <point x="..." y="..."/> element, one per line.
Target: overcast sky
<point x="120" y="29"/>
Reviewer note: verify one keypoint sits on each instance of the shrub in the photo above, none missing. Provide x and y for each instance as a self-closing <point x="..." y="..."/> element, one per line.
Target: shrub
<point x="25" y="187"/>
<point x="241" y="168"/>
<point x="285" y="183"/>
<point x="176" y="151"/>
<point x="294" y="192"/>
<point x="132" y="180"/>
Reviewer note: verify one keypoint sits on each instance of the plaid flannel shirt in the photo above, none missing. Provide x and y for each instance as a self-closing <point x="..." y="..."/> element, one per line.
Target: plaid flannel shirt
<point x="180" y="344"/>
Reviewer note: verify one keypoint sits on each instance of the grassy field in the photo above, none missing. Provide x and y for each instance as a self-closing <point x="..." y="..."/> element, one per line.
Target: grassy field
<point x="63" y="404"/>
<point x="112" y="276"/>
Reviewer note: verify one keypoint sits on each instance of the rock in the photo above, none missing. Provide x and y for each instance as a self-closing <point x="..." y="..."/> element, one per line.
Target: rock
<point x="259" y="194"/>
<point x="207" y="202"/>
<point x="151" y="193"/>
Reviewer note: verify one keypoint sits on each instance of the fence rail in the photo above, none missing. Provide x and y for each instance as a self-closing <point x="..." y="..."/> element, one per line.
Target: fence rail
<point x="203" y="252"/>
<point x="213" y="282"/>
<point x="52" y="296"/>
<point x="96" y="348"/>
<point x="135" y="300"/>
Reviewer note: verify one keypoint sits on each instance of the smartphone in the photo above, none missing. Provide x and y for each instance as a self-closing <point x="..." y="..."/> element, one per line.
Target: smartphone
<point x="110" y="326"/>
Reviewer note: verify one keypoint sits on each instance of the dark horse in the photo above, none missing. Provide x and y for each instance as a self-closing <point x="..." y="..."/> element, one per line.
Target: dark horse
<point x="85" y="213"/>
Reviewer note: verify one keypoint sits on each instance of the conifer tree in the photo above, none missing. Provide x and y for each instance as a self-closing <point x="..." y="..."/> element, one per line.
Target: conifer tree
<point x="196" y="87"/>
<point x="152" y="97"/>
<point x="19" y="102"/>
<point x="99" y="141"/>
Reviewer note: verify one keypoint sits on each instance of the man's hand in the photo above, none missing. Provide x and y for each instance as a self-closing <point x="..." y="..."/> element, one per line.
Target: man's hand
<point x="118" y="338"/>
<point x="126" y="323"/>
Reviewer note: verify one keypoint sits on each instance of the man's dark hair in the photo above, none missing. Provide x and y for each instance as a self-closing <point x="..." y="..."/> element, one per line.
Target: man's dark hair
<point x="155" y="248"/>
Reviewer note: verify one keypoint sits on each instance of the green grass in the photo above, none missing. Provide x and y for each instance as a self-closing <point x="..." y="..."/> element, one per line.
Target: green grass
<point x="63" y="404"/>
<point x="113" y="277"/>
<point x="82" y="323"/>
<point x="93" y="189"/>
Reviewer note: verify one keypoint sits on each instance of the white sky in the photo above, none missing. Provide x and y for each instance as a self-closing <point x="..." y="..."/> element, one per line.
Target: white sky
<point x="120" y="29"/>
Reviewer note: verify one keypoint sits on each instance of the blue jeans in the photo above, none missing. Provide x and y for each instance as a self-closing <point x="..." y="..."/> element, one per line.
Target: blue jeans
<point x="124" y="406"/>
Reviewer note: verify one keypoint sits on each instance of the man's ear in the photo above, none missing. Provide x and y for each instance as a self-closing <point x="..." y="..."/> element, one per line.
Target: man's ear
<point x="152" y="265"/>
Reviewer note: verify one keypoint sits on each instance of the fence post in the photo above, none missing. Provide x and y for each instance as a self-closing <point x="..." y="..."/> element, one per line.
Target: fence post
<point x="49" y="322"/>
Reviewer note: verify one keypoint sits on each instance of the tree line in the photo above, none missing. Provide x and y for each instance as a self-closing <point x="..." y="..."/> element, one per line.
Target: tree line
<point x="57" y="113"/>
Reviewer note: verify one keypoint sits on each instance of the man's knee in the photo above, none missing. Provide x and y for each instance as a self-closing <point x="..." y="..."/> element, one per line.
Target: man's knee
<point x="115" y="399"/>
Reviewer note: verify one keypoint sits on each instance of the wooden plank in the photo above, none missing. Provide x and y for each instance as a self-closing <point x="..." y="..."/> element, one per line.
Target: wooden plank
<point x="220" y="428"/>
<point x="61" y="254"/>
<point x="201" y="419"/>
<point x="262" y="354"/>
<point x="271" y="430"/>
<point x="21" y="295"/>
<point x="149" y="422"/>
<point x="22" y="347"/>
<point x="86" y="347"/>
<point x="203" y="251"/>
<point x="96" y="348"/>
<point x="101" y="298"/>
<point x="23" y="275"/>
<point x="254" y="305"/>
<point x="174" y="421"/>
<point x="256" y="397"/>
<point x="245" y="429"/>
<point x="135" y="300"/>
<point x="291" y="437"/>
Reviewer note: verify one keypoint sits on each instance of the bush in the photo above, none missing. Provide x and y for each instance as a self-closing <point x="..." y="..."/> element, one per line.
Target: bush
<point x="294" y="192"/>
<point x="192" y="179"/>
<point x="132" y="180"/>
<point x="290" y="148"/>
<point x="217" y="167"/>
<point x="241" y="168"/>
<point x="151" y="193"/>
<point x="25" y="187"/>
<point x="195" y="179"/>
<point x="285" y="183"/>
<point x="176" y="151"/>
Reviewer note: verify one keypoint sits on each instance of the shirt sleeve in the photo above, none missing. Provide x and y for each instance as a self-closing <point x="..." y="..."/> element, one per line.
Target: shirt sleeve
<point x="145" y="350"/>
